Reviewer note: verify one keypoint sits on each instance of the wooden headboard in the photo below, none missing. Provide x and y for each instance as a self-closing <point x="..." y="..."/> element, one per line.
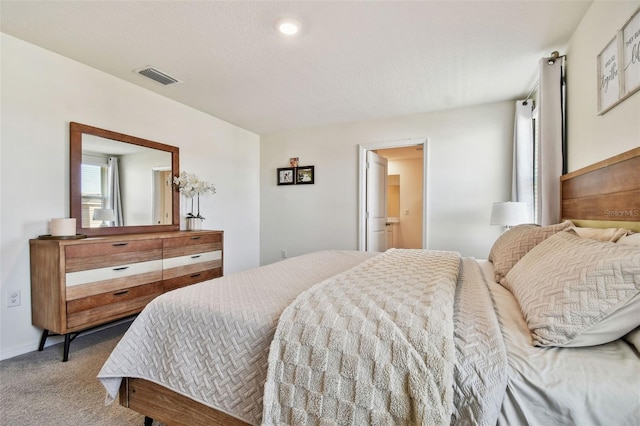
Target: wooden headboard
<point x="605" y="194"/>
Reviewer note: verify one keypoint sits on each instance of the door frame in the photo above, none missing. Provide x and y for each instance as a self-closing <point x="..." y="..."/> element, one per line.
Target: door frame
<point x="362" y="184"/>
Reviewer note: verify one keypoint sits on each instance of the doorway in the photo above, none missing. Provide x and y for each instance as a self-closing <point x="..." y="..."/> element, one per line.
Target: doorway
<point x="413" y="213"/>
<point x="162" y="196"/>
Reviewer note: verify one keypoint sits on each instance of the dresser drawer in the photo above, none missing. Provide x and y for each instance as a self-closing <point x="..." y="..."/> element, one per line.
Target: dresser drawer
<point x="115" y="284"/>
<point x="100" y="255"/>
<point x="104" y="307"/>
<point x="186" y="280"/>
<point x="190" y="264"/>
<point x="182" y="246"/>
<point x="115" y="272"/>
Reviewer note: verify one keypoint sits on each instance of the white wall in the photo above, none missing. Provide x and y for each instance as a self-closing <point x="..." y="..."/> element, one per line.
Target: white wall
<point x="468" y="168"/>
<point x="591" y="137"/>
<point x="41" y="93"/>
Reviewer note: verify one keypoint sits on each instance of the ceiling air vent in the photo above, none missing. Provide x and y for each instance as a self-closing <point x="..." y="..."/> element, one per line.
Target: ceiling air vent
<point x="158" y="76"/>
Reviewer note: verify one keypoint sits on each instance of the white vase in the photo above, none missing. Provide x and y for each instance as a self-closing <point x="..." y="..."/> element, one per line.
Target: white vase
<point x="194" y="224"/>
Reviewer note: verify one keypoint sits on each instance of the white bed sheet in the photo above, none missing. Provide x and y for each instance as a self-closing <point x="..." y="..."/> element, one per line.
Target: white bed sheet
<point x="597" y="385"/>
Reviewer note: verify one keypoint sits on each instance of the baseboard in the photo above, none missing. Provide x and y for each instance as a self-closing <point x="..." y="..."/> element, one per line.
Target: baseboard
<point x="18" y="350"/>
<point x="53" y="340"/>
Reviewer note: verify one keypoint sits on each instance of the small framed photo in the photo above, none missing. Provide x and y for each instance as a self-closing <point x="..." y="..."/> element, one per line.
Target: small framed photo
<point x="286" y="176"/>
<point x="305" y="175"/>
<point x="293" y="162"/>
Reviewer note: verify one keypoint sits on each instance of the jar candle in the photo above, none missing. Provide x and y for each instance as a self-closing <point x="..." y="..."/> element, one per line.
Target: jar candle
<point x="63" y="227"/>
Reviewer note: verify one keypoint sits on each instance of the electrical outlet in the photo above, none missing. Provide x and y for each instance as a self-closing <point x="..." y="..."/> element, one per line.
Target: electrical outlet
<point x="283" y="252"/>
<point x="14" y="298"/>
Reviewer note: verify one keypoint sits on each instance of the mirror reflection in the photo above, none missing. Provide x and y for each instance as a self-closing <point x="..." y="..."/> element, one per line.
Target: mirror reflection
<point x="124" y="184"/>
<point x="121" y="184"/>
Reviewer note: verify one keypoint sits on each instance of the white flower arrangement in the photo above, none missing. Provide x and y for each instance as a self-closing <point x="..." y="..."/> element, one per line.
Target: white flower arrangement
<point x="191" y="186"/>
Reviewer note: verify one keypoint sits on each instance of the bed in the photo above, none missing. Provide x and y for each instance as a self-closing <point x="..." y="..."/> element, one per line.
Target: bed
<point x="410" y="336"/>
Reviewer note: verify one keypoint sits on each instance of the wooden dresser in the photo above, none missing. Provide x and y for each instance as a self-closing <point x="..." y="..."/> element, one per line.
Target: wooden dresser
<point x="83" y="283"/>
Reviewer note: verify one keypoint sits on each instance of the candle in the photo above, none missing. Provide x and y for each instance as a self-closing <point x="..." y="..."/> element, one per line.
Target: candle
<point x="63" y="227"/>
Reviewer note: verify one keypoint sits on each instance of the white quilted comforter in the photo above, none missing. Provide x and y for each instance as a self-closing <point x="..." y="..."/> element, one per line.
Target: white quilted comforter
<point x="211" y="341"/>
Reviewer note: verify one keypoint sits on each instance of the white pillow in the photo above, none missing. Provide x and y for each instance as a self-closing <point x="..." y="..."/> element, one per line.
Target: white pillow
<point x="631" y="239"/>
<point x="577" y="292"/>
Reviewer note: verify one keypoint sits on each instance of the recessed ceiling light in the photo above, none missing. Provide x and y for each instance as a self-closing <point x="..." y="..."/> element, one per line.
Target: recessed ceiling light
<point x="289" y="27"/>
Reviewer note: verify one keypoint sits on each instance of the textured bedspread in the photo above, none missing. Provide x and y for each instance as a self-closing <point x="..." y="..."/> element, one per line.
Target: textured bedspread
<point x="210" y="341"/>
<point x="426" y="317"/>
<point x="373" y="345"/>
<point x="481" y="359"/>
<point x="409" y="337"/>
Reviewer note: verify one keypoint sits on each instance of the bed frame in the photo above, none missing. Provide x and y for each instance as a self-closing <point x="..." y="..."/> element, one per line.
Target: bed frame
<point x="605" y="194"/>
<point x="156" y="402"/>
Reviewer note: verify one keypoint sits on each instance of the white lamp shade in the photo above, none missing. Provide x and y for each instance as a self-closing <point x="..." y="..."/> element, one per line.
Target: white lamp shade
<point x="509" y="213"/>
<point x="103" y="214"/>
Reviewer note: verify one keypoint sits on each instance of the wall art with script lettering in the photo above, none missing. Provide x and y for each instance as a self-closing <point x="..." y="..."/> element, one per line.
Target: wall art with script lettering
<point x="619" y="66"/>
<point x="608" y="77"/>
<point x="630" y="52"/>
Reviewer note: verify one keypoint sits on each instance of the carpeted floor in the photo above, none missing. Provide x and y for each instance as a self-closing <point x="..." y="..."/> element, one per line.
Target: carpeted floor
<point x="39" y="389"/>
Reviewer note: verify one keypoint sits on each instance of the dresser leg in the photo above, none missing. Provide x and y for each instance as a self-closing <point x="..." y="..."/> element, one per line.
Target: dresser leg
<point x="43" y="339"/>
<point x="148" y="421"/>
<point x="67" y="343"/>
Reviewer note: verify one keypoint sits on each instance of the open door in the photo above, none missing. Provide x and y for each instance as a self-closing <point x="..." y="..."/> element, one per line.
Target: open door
<point x="364" y="223"/>
<point x="376" y="210"/>
<point x="162" y="197"/>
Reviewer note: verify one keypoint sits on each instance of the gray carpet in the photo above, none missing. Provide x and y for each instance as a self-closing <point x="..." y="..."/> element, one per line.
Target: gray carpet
<point x="39" y="389"/>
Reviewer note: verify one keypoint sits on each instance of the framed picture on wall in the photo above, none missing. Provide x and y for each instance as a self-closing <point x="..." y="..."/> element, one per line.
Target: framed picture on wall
<point x="305" y="175"/>
<point x="630" y="53"/>
<point x="608" y="77"/>
<point x="286" y="176"/>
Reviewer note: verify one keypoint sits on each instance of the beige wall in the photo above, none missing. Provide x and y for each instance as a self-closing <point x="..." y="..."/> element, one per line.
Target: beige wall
<point x="591" y="137"/>
<point x="393" y="196"/>
<point x="409" y="230"/>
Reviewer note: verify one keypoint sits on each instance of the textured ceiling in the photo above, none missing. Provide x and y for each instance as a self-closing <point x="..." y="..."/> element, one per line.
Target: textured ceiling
<point x="353" y="61"/>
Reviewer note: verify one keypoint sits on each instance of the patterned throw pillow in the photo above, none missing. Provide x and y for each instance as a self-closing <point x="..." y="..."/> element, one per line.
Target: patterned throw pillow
<point x="511" y="246"/>
<point x="601" y="234"/>
<point x="576" y="291"/>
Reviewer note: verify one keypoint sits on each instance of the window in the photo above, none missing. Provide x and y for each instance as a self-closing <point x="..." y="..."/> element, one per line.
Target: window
<point x="94" y="192"/>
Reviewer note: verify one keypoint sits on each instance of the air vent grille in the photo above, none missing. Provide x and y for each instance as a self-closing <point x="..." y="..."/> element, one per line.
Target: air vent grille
<point x="158" y="76"/>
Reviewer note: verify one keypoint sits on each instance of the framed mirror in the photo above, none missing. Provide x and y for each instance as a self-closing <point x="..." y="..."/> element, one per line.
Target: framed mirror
<point x="122" y="184"/>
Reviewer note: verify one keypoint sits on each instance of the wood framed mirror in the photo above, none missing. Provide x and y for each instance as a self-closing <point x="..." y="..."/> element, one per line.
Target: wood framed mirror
<point x="122" y="184"/>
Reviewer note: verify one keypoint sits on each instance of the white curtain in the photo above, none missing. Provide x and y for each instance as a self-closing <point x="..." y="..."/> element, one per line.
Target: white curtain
<point x="115" y="202"/>
<point x="551" y="116"/>
<point x="522" y="186"/>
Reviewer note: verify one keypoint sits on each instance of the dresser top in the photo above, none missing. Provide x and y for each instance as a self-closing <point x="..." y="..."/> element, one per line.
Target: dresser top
<point x="122" y="237"/>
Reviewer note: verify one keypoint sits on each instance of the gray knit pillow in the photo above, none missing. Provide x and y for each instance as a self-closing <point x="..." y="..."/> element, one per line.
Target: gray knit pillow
<point x="511" y="246"/>
<point x="576" y="291"/>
